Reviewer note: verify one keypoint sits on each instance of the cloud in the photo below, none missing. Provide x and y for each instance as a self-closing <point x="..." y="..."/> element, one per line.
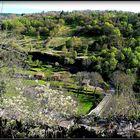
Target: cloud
<point x="72" y="5"/>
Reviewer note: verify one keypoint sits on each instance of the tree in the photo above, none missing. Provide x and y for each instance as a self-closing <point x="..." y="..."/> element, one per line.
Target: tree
<point x="132" y="43"/>
<point x="113" y="63"/>
<point x="61" y="21"/>
<point x="13" y="44"/>
<point x="31" y="31"/>
<point x="2" y="89"/>
<point x="80" y="76"/>
<point x="38" y="35"/>
<point x="117" y="32"/>
<point x="69" y="60"/>
<point x="135" y="62"/>
<point x="96" y="79"/>
<point x="85" y="50"/>
<point x="30" y="46"/>
<point x="74" y="43"/>
<point x="64" y="50"/>
<point x="120" y="56"/>
<point x="122" y="81"/>
<point x="86" y="62"/>
<point x="74" y="55"/>
<point x="124" y="101"/>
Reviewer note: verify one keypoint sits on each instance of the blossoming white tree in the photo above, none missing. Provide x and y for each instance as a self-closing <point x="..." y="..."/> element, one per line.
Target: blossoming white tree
<point x="48" y="107"/>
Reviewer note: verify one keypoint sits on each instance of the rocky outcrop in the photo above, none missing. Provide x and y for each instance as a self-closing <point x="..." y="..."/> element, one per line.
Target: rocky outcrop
<point x="114" y="127"/>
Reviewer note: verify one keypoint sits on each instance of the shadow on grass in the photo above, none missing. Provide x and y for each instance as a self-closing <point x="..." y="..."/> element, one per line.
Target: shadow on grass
<point x="78" y="91"/>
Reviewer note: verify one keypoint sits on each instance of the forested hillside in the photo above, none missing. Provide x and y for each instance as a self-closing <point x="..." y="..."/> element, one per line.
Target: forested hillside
<point x="110" y="39"/>
<point x="74" y="59"/>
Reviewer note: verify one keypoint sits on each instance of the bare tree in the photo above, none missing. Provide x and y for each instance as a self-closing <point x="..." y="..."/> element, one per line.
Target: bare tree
<point x="96" y="78"/>
<point x="124" y="101"/>
<point x="122" y="81"/>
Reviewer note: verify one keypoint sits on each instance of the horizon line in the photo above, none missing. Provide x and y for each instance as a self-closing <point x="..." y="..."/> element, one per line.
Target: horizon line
<point x="36" y="12"/>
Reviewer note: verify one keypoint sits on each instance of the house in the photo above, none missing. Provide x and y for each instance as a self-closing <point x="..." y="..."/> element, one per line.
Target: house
<point x="56" y="77"/>
<point x="39" y="75"/>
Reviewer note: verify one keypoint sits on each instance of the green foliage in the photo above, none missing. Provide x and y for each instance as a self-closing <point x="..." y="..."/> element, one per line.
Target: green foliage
<point x="74" y="54"/>
<point x="109" y="39"/>
<point x="2" y="89"/>
<point x="74" y="43"/>
<point x="37" y="63"/>
<point x="69" y="60"/>
<point x="107" y="43"/>
<point x="64" y="50"/>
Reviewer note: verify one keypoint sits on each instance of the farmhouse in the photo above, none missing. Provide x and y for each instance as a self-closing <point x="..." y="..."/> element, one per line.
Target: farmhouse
<point x="39" y="75"/>
<point x="56" y="77"/>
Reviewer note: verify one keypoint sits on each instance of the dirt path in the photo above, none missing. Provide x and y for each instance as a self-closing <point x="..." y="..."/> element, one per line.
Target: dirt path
<point x="103" y="104"/>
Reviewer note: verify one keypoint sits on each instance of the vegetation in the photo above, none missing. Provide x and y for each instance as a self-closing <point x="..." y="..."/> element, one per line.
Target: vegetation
<point x="60" y="65"/>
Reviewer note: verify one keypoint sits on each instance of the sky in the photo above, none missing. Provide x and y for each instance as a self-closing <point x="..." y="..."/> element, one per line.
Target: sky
<point x="39" y="6"/>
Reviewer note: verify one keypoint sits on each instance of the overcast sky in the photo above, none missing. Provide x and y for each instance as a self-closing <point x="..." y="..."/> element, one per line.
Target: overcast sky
<point x="38" y="6"/>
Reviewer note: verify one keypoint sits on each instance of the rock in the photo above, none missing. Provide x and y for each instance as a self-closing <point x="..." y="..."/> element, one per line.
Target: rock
<point x="66" y="123"/>
<point x="137" y="133"/>
<point x="137" y="126"/>
<point x="2" y="111"/>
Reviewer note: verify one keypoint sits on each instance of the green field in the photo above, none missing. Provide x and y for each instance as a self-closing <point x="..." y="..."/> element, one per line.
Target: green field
<point x="85" y="101"/>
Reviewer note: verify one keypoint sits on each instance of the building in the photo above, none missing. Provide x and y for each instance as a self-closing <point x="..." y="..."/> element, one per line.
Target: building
<point x="56" y="77"/>
<point x="39" y="75"/>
